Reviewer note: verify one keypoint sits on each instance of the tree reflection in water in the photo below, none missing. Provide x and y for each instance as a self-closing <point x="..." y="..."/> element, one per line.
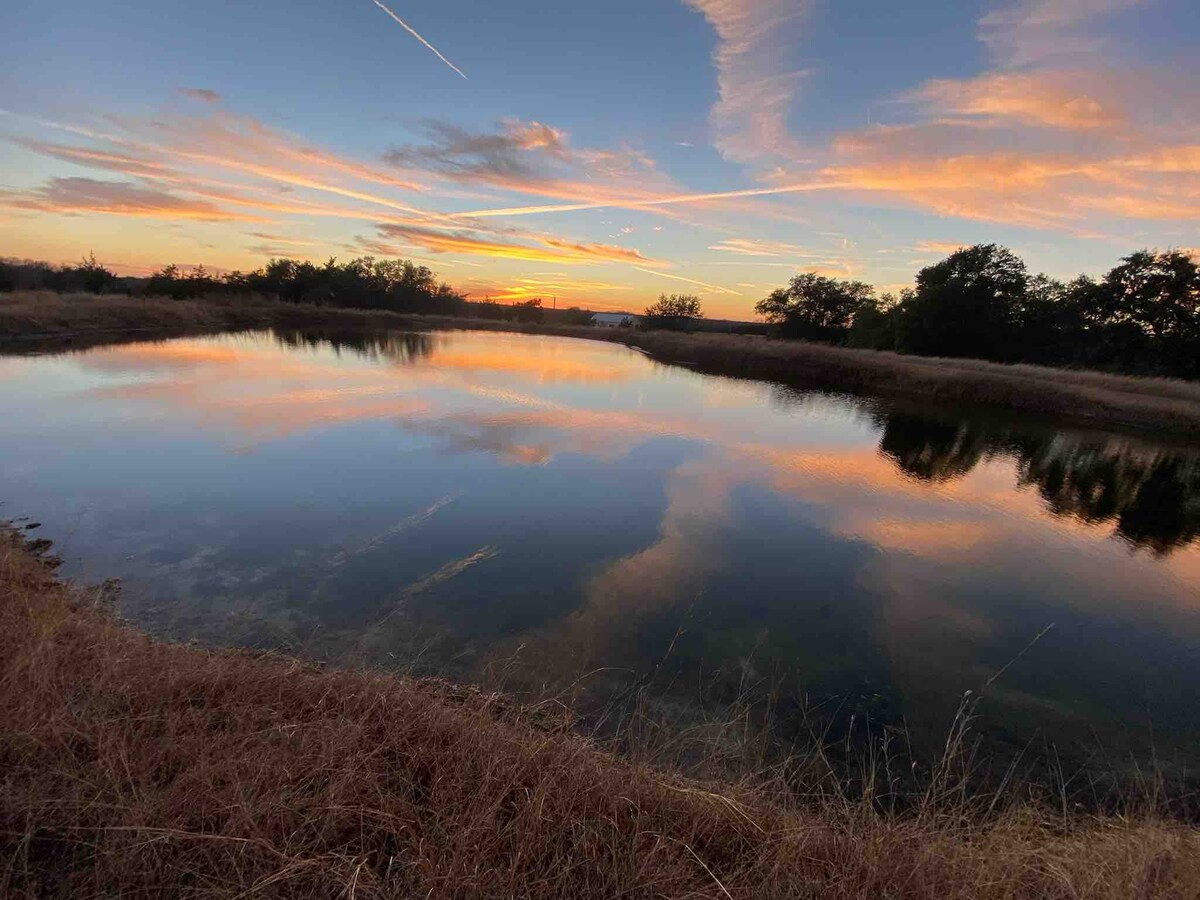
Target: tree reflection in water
<point x="399" y="347"/>
<point x="1150" y="495"/>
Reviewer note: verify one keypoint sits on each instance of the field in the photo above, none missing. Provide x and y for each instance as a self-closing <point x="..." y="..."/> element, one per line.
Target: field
<point x="139" y="768"/>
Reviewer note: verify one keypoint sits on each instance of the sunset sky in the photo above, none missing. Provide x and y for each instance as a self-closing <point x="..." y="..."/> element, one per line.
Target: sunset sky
<point x="601" y="153"/>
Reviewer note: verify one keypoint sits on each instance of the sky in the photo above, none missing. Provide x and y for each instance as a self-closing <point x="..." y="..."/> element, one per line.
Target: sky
<point x="601" y="154"/>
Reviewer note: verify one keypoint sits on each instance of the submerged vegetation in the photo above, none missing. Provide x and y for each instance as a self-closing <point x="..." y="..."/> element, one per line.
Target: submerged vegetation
<point x="139" y="768"/>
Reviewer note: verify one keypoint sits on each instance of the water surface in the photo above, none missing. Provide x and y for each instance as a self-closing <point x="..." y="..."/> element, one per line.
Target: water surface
<point x="554" y="512"/>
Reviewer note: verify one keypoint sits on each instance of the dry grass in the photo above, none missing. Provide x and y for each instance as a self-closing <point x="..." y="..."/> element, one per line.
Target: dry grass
<point x="1094" y="397"/>
<point x="1151" y="404"/>
<point x="134" y="768"/>
<point x="36" y="320"/>
<point x="32" y="315"/>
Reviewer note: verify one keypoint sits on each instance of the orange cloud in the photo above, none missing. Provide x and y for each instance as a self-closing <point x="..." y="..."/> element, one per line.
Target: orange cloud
<point x="73" y="196"/>
<point x="243" y="143"/>
<point x="181" y="152"/>
<point x="1066" y="100"/>
<point x="944" y="247"/>
<point x="153" y="149"/>
<point x="917" y="164"/>
<point x="745" y="247"/>
<point x="154" y="164"/>
<point x="552" y="250"/>
<point x="599" y="251"/>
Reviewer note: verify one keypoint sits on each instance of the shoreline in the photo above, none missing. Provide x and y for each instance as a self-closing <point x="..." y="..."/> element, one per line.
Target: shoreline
<point x="31" y="323"/>
<point x="139" y="766"/>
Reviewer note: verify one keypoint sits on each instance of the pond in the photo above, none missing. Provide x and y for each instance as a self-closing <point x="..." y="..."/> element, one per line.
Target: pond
<point x="569" y="517"/>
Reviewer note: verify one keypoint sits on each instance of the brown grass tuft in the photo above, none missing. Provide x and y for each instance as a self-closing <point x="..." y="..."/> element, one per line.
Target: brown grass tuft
<point x="135" y="768"/>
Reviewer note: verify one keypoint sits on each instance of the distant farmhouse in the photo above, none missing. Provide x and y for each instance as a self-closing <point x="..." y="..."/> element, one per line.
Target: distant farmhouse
<point x="616" y="320"/>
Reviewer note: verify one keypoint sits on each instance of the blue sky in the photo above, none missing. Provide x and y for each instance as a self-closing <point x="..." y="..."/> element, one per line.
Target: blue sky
<point x="861" y="140"/>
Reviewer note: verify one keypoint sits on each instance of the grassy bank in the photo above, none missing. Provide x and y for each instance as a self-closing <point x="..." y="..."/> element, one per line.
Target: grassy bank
<point x="130" y="767"/>
<point x="1149" y="404"/>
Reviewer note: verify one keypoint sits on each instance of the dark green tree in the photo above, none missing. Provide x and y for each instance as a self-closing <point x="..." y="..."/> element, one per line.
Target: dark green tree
<point x="1145" y="315"/>
<point x="874" y="325"/>
<point x="816" y="308"/>
<point x="969" y="304"/>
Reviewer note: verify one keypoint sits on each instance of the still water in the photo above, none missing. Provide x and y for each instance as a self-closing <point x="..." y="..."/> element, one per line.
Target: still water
<point x="556" y="513"/>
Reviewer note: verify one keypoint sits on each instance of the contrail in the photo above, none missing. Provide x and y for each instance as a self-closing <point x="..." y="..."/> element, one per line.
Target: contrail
<point x="711" y="287"/>
<point x="409" y="29"/>
<point x="658" y="201"/>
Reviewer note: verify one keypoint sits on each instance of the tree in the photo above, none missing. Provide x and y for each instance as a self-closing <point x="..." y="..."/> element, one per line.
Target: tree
<point x="816" y="308"/>
<point x="576" y="316"/>
<point x="677" y="312"/>
<point x="529" y="310"/>
<point x="93" y="277"/>
<point x="966" y="305"/>
<point x="1146" y="313"/>
<point x="874" y="325"/>
<point x="166" y="282"/>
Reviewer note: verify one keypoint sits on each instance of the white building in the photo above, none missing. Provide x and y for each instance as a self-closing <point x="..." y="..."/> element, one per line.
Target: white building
<point x="614" y="320"/>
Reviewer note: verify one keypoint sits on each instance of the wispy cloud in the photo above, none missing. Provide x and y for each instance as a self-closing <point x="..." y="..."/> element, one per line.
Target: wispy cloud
<point x="281" y="239"/>
<point x="225" y="166"/>
<point x="1056" y="137"/>
<point x="756" y="75"/>
<point x="89" y="195"/>
<point x="944" y="247"/>
<point x="1033" y="31"/>
<point x="260" y="165"/>
<point x="531" y="157"/>
<point x="1071" y="100"/>
<point x="747" y="247"/>
<point x="399" y="21"/>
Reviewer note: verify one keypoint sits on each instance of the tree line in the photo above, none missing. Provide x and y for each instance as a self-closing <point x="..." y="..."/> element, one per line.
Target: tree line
<point x="362" y="283"/>
<point x="1142" y="317"/>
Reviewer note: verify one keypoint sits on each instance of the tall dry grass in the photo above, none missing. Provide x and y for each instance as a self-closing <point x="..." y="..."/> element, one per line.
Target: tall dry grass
<point x="31" y="315"/>
<point x="1092" y="397"/>
<point x="134" y="768"/>
<point x="1150" y="404"/>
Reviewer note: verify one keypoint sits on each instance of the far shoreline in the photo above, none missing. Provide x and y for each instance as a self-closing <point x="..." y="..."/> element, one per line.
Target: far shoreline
<point x="50" y="322"/>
